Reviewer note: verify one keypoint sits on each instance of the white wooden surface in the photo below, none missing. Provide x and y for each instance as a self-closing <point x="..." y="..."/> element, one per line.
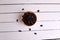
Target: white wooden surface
<point x="49" y="17"/>
<point x="29" y="1"/>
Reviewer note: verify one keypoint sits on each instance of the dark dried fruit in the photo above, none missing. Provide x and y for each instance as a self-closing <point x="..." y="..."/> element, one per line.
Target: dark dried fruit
<point x="29" y="18"/>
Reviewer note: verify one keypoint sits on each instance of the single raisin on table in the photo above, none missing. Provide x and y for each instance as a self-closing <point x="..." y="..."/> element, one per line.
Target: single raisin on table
<point x="29" y="18"/>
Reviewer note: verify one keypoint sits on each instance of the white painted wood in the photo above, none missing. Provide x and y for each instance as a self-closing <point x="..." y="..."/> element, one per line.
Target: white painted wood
<point x="41" y="17"/>
<point x="49" y="17"/>
<point x="49" y="26"/>
<point x="29" y="1"/>
<point x="34" y="8"/>
<point x="30" y="35"/>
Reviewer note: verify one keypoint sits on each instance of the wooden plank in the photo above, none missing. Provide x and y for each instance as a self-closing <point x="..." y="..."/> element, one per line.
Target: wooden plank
<point x="34" y="8"/>
<point x="41" y="17"/>
<point x="29" y="1"/>
<point x="47" y="26"/>
<point x="8" y="17"/>
<point x="23" y="35"/>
